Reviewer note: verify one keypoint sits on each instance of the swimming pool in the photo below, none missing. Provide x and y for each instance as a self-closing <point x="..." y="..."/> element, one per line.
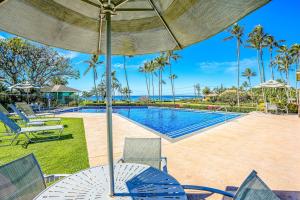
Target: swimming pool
<point x="171" y="123"/>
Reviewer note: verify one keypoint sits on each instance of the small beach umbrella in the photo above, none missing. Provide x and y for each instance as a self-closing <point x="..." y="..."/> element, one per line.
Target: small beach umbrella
<point x="121" y="27"/>
<point x="26" y="86"/>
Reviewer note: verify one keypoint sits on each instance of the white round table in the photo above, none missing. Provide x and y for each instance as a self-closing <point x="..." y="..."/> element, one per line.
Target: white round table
<point x="132" y="181"/>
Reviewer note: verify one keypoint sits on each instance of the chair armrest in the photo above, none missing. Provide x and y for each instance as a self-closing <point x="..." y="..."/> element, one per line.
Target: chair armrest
<point x="54" y="177"/>
<point x="164" y="164"/>
<point x="121" y="160"/>
<point x="213" y="190"/>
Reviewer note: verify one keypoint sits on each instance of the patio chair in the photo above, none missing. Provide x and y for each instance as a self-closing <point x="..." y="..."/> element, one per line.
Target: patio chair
<point x="22" y="179"/>
<point x="33" y="122"/>
<point x="28" y="111"/>
<point x="253" y="188"/>
<point x="144" y="151"/>
<point x="16" y="130"/>
<point x="3" y="110"/>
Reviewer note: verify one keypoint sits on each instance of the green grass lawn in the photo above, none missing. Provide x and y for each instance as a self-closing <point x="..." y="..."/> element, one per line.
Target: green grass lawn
<point x="66" y="155"/>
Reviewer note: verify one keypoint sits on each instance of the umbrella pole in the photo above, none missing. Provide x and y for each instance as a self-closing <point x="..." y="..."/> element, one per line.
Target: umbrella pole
<point x="108" y="103"/>
<point x="27" y="97"/>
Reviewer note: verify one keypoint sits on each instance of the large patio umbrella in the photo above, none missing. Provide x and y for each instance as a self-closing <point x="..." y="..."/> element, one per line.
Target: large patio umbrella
<point x="272" y="84"/>
<point x="26" y="86"/>
<point x="130" y="27"/>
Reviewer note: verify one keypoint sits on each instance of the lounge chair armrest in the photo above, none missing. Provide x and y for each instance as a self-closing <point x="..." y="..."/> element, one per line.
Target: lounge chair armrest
<point x="213" y="190"/>
<point x="121" y="160"/>
<point x="164" y="164"/>
<point x="54" y="177"/>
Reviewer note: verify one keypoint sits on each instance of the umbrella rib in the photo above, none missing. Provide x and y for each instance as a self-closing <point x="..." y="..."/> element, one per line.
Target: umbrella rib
<point x="134" y="9"/>
<point x="92" y="3"/>
<point x="165" y="23"/>
<point x="122" y="2"/>
<point x="100" y="34"/>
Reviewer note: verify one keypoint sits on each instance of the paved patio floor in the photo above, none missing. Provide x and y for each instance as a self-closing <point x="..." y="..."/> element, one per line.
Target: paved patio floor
<point x="219" y="157"/>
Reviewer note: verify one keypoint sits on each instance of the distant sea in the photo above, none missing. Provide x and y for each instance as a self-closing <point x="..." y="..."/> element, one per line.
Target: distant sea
<point x="137" y="97"/>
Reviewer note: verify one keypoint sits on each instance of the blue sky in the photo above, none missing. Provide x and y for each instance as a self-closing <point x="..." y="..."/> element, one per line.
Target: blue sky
<point x="211" y="62"/>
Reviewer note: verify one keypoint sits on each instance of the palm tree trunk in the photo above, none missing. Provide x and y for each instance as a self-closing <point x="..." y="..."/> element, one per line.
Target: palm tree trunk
<point x="146" y="78"/>
<point x="126" y="77"/>
<point x="262" y="64"/>
<point x="259" y="68"/>
<point x="238" y="73"/>
<point x="261" y="74"/>
<point x="271" y="67"/>
<point x="97" y="97"/>
<point x="161" y="85"/>
<point x="288" y="82"/>
<point x="152" y="85"/>
<point x="171" y="79"/>
<point x="296" y="86"/>
<point x="173" y="90"/>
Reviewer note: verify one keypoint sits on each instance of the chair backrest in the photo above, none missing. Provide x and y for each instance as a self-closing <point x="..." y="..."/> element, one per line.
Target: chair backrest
<point x="16" y="110"/>
<point x="15" y="128"/>
<point x="21" y="179"/>
<point x="254" y="188"/>
<point x="143" y="151"/>
<point x="3" y="110"/>
<point x="25" y="108"/>
<point x="271" y="106"/>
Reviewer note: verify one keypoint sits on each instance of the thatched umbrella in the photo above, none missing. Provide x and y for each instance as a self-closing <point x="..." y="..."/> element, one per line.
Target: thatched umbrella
<point x="130" y="27"/>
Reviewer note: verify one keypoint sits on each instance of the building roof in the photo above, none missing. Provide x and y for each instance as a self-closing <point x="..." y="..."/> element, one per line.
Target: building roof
<point x="58" y="88"/>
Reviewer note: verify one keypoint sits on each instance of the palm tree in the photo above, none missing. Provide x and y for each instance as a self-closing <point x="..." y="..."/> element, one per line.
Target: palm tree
<point x="248" y="73"/>
<point x="126" y="76"/>
<point x="152" y="68"/>
<point x="126" y="91"/>
<point x="172" y="78"/>
<point x="271" y="43"/>
<point x="284" y="61"/>
<point x="295" y="53"/>
<point x="101" y="89"/>
<point x="115" y="83"/>
<point x="145" y="69"/>
<point x="172" y="56"/>
<point x="257" y="40"/>
<point x="161" y="62"/>
<point x="236" y="32"/>
<point x="92" y="65"/>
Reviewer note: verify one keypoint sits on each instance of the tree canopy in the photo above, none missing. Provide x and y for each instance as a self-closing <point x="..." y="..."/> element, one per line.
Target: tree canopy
<point x="23" y="61"/>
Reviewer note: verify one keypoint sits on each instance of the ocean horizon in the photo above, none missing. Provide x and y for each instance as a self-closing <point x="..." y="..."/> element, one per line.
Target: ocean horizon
<point x="155" y="97"/>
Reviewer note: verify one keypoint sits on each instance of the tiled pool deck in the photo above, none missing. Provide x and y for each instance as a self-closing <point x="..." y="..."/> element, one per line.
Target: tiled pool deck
<point x="219" y="157"/>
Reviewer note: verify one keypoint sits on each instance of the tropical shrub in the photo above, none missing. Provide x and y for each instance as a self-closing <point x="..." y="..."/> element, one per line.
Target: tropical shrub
<point x="228" y="96"/>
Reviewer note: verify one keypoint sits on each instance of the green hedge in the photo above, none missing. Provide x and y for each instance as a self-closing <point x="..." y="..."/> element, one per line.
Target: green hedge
<point x="243" y="109"/>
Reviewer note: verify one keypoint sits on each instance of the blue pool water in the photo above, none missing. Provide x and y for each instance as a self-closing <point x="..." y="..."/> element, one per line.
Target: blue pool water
<point x="173" y="123"/>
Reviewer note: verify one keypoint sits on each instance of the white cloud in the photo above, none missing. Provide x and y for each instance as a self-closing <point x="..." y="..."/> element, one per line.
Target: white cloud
<point x="69" y="54"/>
<point x="128" y="66"/>
<point x="117" y="65"/>
<point x="227" y="66"/>
<point x="2" y="37"/>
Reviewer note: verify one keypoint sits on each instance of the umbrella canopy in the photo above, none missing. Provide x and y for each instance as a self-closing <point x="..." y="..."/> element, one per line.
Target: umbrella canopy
<point x="130" y="26"/>
<point x="272" y="84"/>
<point x="155" y="25"/>
<point x="24" y="86"/>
